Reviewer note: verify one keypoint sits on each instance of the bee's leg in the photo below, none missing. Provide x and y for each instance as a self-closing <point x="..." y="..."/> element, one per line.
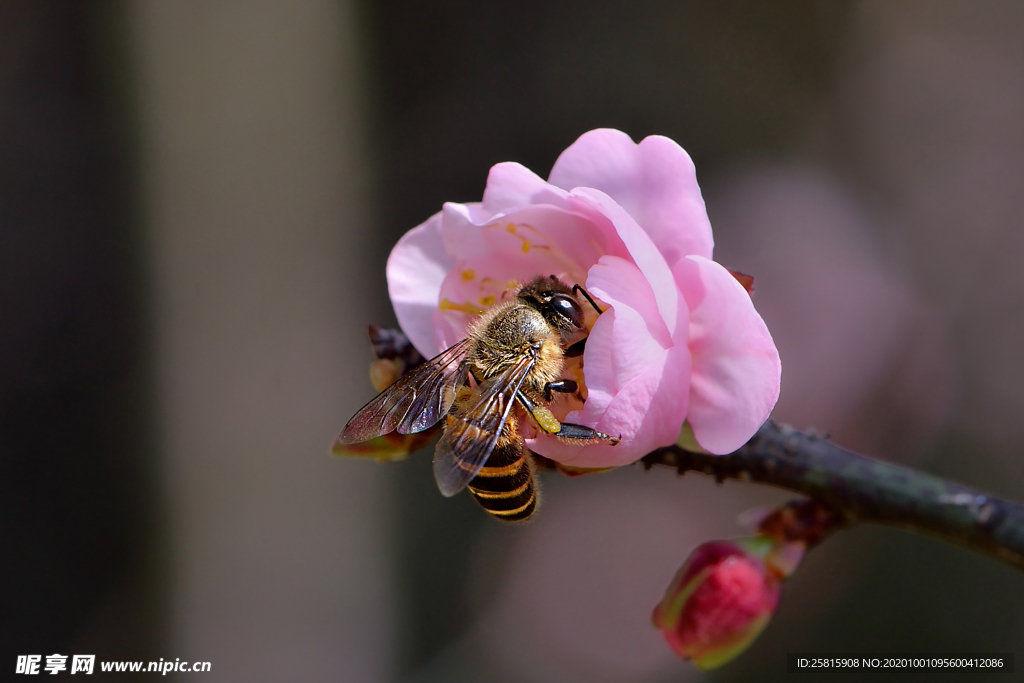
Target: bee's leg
<point x="562" y="386"/>
<point x="574" y="432"/>
<point x="576" y="350"/>
<point x="546" y="420"/>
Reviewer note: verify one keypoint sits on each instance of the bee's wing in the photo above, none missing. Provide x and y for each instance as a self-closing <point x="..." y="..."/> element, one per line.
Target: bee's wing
<point x="468" y="440"/>
<point x="413" y="403"/>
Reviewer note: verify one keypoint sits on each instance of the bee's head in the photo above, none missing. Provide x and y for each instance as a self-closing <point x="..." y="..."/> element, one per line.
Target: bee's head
<point x="554" y="301"/>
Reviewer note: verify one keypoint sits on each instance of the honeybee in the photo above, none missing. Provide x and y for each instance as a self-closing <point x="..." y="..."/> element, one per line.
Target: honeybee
<point x="511" y="360"/>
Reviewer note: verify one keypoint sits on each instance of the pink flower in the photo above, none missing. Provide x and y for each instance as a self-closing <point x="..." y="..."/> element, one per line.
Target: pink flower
<point x="679" y="339"/>
<point x="723" y="596"/>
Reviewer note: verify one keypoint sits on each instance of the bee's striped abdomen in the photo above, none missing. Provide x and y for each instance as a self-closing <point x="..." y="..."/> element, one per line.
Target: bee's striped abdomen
<point x="505" y="487"/>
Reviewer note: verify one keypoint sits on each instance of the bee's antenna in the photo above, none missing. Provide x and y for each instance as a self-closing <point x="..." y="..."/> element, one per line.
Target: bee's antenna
<point x="577" y="288"/>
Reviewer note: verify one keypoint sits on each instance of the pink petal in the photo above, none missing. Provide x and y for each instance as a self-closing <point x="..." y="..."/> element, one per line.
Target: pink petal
<point x="736" y="368"/>
<point x="655" y="182"/>
<point x="416" y="268"/>
<point x="539" y="232"/>
<point x="511" y="185"/>
<point x="639" y="245"/>
<point x="640" y="333"/>
<point x="449" y="329"/>
<point x="493" y="253"/>
<point x="461" y="231"/>
<point x="636" y="377"/>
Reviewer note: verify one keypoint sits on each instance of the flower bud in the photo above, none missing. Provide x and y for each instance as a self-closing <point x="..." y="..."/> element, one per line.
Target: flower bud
<point x="723" y="596"/>
<point x="384" y="372"/>
<point x="395" y="357"/>
<point x="387" y="447"/>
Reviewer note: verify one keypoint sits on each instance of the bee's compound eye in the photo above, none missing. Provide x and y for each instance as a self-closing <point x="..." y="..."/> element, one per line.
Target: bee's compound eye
<point x="567" y="308"/>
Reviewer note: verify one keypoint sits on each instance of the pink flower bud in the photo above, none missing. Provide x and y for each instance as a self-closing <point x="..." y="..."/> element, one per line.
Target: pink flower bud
<point x="722" y="598"/>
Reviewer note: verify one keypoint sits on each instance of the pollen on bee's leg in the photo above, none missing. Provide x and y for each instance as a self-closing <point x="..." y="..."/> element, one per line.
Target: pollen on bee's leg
<point x="546" y="420"/>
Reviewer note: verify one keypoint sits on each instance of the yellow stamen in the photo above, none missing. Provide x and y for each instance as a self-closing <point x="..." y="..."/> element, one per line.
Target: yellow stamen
<point x="467" y="307"/>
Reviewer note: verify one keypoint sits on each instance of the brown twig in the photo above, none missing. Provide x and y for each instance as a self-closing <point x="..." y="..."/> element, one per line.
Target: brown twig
<point x="863" y="489"/>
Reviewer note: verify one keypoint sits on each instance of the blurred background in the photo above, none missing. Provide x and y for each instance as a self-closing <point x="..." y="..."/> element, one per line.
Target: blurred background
<point x="196" y="203"/>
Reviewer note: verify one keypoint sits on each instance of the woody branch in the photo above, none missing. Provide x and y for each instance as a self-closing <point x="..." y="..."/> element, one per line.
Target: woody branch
<point x="862" y="489"/>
